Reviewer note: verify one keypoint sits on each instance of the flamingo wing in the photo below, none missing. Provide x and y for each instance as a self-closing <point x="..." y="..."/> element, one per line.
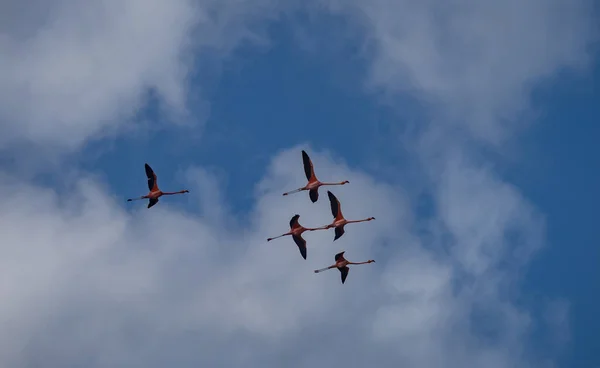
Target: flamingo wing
<point x="301" y="243"/>
<point x="152" y="202"/>
<point x="309" y="170"/>
<point x="152" y="180"/>
<point x="294" y="221"/>
<point x="339" y="231"/>
<point x="314" y="195"/>
<point x="336" y="207"/>
<point x="344" y="271"/>
<point x="340" y="256"/>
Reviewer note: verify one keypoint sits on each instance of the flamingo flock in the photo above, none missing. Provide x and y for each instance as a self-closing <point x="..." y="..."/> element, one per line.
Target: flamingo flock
<point x="338" y="223"/>
<point x="296" y="230"/>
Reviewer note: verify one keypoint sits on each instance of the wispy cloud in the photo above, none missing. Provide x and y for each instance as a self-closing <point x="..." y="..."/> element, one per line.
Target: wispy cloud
<point x="475" y="62"/>
<point x="89" y="283"/>
<point x="72" y="71"/>
<point x="99" y="285"/>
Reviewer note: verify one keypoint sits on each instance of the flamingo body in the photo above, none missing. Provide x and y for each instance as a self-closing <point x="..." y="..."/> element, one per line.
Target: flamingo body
<point x="341" y="264"/>
<point x="154" y="192"/>
<point x="313" y="183"/>
<point x="296" y="231"/>
<point x="339" y="222"/>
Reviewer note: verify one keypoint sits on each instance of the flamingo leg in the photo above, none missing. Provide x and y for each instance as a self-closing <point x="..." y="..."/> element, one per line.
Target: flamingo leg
<point x="324" y="227"/>
<point x="316" y="228"/>
<point x="282" y="235"/>
<point x="325" y="269"/>
<point x="295" y="191"/>
<point x="136" y="199"/>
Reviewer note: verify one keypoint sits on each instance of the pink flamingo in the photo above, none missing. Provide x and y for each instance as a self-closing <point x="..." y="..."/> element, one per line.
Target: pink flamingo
<point x="155" y="193"/>
<point x="296" y="231"/>
<point x="338" y="218"/>
<point x="341" y="264"/>
<point x="313" y="183"/>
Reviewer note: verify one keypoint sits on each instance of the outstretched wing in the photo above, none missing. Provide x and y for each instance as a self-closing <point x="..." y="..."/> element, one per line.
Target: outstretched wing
<point x="152" y="180"/>
<point x="294" y="221"/>
<point x="344" y="271"/>
<point x="152" y="202"/>
<point x="339" y="231"/>
<point x="314" y="194"/>
<point x="301" y="243"/>
<point x="340" y="256"/>
<point x="309" y="171"/>
<point x="336" y="207"/>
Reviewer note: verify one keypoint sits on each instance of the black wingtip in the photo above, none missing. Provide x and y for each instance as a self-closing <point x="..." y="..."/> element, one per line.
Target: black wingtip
<point x="303" y="252"/>
<point x="338" y="234"/>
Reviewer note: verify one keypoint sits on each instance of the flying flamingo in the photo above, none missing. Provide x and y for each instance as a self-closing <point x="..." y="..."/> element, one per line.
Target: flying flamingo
<point x="313" y="183"/>
<point x="341" y="264"/>
<point x="338" y="218"/>
<point x="296" y="233"/>
<point x="155" y="193"/>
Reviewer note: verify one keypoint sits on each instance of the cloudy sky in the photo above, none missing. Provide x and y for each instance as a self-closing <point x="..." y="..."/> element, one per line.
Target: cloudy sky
<point x="468" y="128"/>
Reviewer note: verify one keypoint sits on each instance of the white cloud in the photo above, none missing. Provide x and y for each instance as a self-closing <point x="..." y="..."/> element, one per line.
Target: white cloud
<point x="72" y="71"/>
<point x="87" y="281"/>
<point x="75" y="70"/>
<point x="489" y="219"/>
<point x="474" y="64"/>
<point x="476" y="60"/>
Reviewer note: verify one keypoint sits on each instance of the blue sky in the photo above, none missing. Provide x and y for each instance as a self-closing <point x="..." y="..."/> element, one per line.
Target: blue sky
<point x="265" y="102"/>
<point x="482" y="224"/>
<point x="563" y="187"/>
<point x="270" y="102"/>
